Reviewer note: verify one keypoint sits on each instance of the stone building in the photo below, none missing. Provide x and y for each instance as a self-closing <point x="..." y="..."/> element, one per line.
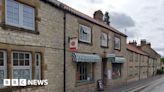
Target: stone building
<point x="137" y="62"/>
<point x="143" y="61"/>
<point x="154" y="57"/>
<point x="34" y="44"/>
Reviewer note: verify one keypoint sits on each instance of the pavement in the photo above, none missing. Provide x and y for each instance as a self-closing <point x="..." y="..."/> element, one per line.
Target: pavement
<point x="135" y="86"/>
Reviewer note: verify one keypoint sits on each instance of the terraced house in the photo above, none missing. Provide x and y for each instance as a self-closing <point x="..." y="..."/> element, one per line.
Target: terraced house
<point x="34" y="44"/>
<point x="137" y="62"/>
<point x="143" y="61"/>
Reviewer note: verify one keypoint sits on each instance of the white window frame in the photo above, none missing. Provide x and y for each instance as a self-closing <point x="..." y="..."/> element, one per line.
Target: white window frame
<point x="22" y="67"/>
<point x="20" y="24"/>
<point x="88" y="32"/>
<point x="104" y="42"/>
<point x="4" y="67"/>
<point x="39" y="66"/>
<point x="117" y="40"/>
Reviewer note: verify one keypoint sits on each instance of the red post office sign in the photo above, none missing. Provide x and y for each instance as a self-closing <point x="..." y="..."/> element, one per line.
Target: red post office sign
<point x="73" y="44"/>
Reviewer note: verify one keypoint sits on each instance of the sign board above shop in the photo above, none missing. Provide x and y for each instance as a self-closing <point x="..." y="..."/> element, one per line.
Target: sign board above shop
<point x="73" y="44"/>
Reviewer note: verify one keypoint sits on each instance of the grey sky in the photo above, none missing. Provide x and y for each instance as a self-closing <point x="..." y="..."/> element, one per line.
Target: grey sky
<point x="142" y="19"/>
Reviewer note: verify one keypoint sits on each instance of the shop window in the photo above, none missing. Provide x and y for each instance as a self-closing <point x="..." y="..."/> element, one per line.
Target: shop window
<point x="116" y="70"/>
<point x="104" y="39"/>
<point x="84" y="72"/>
<point x="37" y="66"/>
<point x="19" y="15"/>
<point x="3" y="70"/>
<point x="84" y="34"/>
<point x="21" y="65"/>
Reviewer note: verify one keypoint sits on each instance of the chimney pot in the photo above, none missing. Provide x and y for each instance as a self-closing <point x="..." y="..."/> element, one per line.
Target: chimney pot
<point x="143" y="42"/>
<point x="149" y="44"/>
<point x="134" y="43"/>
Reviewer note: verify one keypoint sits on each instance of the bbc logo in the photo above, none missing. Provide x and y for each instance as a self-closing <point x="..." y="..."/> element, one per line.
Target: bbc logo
<point x="15" y="82"/>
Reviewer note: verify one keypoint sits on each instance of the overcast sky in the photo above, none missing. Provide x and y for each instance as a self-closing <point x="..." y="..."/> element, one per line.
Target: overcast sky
<point x="142" y="19"/>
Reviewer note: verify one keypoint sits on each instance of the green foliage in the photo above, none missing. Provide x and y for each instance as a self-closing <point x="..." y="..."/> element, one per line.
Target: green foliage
<point x="162" y="60"/>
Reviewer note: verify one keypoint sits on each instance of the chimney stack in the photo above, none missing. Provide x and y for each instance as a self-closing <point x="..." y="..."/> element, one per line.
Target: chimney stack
<point x="143" y="42"/>
<point x="98" y="15"/>
<point x="134" y="43"/>
<point x="149" y="44"/>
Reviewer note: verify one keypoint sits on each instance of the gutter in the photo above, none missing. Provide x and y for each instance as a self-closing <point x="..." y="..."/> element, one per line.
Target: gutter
<point x="69" y="11"/>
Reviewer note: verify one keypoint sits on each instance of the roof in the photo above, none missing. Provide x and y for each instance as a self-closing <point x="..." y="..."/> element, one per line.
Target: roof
<point x="135" y="49"/>
<point x="81" y="15"/>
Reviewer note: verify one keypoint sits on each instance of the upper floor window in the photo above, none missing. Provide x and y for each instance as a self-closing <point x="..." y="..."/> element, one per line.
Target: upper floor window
<point x="19" y="15"/>
<point x="2" y="66"/>
<point x="117" y="43"/>
<point x="84" y="34"/>
<point x="104" y="39"/>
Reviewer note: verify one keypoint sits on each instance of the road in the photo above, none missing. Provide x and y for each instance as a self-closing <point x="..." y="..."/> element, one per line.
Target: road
<point x="157" y="86"/>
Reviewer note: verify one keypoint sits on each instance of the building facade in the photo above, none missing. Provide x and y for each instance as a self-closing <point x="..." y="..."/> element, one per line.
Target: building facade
<point x="137" y="62"/>
<point x="34" y="44"/>
<point x="154" y="57"/>
<point x="143" y="61"/>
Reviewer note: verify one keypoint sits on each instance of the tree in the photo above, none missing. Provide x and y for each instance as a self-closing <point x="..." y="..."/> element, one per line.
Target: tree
<point x="162" y="60"/>
<point x="106" y="18"/>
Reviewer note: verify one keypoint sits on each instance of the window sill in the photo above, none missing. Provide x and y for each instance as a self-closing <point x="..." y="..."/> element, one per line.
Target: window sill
<point x="14" y="28"/>
<point x="87" y="43"/>
<point x="80" y="83"/>
<point x="104" y="46"/>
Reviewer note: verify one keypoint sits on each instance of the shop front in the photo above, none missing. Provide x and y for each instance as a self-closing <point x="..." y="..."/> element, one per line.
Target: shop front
<point x="115" y="69"/>
<point x="86" y="72"/>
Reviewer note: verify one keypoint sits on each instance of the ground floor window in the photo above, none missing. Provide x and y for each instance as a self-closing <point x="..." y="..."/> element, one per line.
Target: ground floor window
<point x="84" y="71"/>
<point x="38" y="66"/>
<point x="2" y="66"/>
<point x="116" y="70"/>
<point x="21" y="65"/>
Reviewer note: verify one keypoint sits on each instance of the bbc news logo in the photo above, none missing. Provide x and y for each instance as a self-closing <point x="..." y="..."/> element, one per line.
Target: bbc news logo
<point x="24" y="82"/>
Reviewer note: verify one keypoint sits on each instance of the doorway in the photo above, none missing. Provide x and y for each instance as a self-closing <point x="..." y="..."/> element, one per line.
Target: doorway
<point x="104" y="70"/>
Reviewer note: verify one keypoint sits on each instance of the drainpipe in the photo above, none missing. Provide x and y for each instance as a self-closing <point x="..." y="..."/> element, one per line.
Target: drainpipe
<point x="64" y="45"/>
<point x="147" y="66"/>
<point x="140" y="67"/>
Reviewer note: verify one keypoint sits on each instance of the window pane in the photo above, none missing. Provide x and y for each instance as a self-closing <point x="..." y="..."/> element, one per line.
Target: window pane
<point x="27" y="62"/>
<point x="28" y="16"/>
<point x="15" y="55"/>
<point x="12" y="12"/>
<point x="27" y="56"/>
<point x="38" y="65"/>
<point x="21" y="73"/>
<point x="15" y="62"/>
<point x="21" y="62"/>
<point x="1" y="55"/>
<point x="85" y="33"/>
<point x="1" y="76"/>
<point x="21" y="56"/>
<point x="1" y="62"/>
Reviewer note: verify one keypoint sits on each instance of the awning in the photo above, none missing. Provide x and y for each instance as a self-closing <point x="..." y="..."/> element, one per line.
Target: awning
<point x="119" y="60"/>
<point x="80" y="57"/>
<point x="115" y="59"/>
